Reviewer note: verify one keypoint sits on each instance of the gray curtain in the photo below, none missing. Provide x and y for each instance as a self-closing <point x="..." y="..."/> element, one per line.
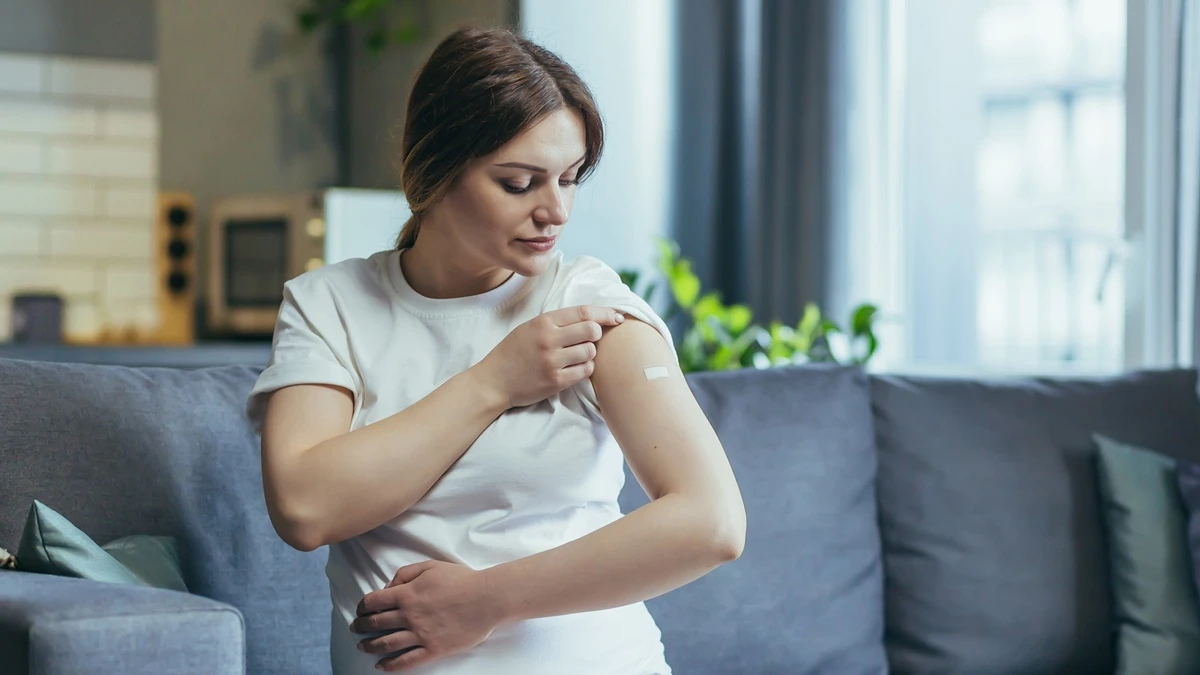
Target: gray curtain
<point x="762" y="162"/>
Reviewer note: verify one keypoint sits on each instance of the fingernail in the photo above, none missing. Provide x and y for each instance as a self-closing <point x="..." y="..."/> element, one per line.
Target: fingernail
<point x="620" y="317"/>
<point x="361" y="648"/>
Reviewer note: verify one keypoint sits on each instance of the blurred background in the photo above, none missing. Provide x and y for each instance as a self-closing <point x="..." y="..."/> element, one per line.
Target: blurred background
<point x="1001" y="186"/>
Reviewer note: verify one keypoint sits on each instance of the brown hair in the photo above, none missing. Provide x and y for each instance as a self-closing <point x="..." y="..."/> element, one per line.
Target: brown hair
<point x="478" y="90"/>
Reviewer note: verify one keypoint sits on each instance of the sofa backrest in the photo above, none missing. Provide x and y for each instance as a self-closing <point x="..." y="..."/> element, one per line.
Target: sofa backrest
<point x="993" y="541"/>
<point x="806" y="596"/>
<point x="122" y="451"/>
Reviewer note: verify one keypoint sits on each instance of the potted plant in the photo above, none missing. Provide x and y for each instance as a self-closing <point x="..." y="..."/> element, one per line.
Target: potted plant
<point x="726" y="337"/>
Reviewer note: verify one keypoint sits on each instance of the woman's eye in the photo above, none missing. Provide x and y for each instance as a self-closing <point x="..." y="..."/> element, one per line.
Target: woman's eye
<point x="566" y="183"/>
<point x="516" y="189"/>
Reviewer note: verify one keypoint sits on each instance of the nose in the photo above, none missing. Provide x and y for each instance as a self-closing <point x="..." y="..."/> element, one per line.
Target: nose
<point x="553" y="209"/>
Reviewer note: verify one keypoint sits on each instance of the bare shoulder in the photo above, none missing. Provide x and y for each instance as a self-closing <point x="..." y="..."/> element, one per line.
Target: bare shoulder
<point x="625" y="352"/>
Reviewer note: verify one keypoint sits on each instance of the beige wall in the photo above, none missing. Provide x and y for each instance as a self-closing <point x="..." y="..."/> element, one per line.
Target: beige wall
<point x="246" y="106"/>
<point x="378" y="85"/>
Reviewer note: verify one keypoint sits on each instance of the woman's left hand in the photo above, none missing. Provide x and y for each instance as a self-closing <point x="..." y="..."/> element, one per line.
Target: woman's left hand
<point x="432" y="609"/>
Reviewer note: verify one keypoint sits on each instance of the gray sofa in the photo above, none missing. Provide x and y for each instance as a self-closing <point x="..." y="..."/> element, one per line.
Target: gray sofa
<point x="896" y="524"/>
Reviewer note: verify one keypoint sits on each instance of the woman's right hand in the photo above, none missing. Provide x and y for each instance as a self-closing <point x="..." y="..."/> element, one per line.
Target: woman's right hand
<point x="547" y="354"/>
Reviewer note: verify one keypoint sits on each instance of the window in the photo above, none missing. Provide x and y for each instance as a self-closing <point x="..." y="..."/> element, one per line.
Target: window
<point x="1050" y="180"/>
<point x="1011" y="179"/>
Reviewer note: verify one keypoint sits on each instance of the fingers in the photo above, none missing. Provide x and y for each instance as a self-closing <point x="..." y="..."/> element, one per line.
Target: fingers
<point x="378" y="601"/>
<point x="577" y="373"/>
<point x="575" y="355"/>
<point x="566" y="316"/>
<point x="406" y="660"/>
<point x="578" y="333"/>
<point x="392" y="619"/>
<point x="409" y="572"/>
<point x="390" y="643"/>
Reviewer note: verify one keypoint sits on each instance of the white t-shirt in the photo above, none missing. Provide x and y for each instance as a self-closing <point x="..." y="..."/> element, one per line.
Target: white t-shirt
<point x="537" y="478"/>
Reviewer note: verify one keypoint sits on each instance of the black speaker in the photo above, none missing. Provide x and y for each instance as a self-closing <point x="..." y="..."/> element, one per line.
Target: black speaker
<point x="176" y="258"/>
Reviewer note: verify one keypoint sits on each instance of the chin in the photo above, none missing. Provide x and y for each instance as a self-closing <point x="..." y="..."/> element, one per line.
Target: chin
<point x="531" y="267"/>
<point x="531" y="264"/>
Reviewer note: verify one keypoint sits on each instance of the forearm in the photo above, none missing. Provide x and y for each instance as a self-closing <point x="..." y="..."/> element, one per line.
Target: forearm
<point x="394" y="461"/>
<point x="655" y="549"/>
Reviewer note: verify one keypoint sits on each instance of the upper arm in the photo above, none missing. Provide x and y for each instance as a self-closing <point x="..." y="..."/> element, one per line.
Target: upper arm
<point x="301" y="416"/>
<point x="306" y="394"/>
<point x="668" y="441"/>
<point x="296" y="419"/>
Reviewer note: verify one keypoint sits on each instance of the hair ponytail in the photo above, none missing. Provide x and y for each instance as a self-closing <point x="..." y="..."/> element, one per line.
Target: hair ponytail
<point x="408" y="233"/>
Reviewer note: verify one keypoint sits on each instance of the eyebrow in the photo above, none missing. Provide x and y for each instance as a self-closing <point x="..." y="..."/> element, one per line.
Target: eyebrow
<point x="536" y="169"/>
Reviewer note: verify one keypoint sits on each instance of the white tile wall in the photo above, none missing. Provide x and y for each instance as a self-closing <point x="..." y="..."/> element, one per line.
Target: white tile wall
<point x="102" y="159"/>
<point x="23" y="196"/>
<point x="20" y="239"/>
<point x="45" y="119"/>
<point x="21" y="155"/>
<point x="99" y="239"/>
<point x="129" y="282"/>
<point x="129" y="122"/>
<point x="105" y="79"/>
<point x="78" y="184"/>
<point x="128" y="202"/>
<point x="22" y="73"/>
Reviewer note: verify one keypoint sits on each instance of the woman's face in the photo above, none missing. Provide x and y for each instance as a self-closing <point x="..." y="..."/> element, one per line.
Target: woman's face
<point x="507" y="209"/>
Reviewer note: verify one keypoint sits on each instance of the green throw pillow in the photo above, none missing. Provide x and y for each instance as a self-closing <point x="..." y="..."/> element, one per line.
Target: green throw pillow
<point x="1154" y="602"/>
<point x="50" y="544"/>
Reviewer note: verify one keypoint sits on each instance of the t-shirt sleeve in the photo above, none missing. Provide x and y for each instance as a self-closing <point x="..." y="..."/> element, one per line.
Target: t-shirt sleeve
<point x="592" y="282"/>
<point x="309" y="346"/>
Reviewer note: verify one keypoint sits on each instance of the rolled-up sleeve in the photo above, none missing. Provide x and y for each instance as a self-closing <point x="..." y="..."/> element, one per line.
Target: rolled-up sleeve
<point x="592" y="282"/>
<point x="309" y="346"/>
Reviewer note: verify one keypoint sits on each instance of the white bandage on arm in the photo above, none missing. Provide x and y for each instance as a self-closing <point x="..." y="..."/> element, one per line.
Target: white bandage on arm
<point x="657" y="372"/>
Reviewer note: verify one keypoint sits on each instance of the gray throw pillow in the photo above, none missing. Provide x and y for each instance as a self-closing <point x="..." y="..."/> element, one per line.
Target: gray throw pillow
<point x="1154" y="602"/>
<point x="51" y="544"/>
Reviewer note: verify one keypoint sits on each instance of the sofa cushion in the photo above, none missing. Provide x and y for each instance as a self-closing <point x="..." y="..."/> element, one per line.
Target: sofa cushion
<point x="807" y="594"/>
<point x="122" y="451"/>
<point x="993" y="547"/>
<point x="1154" y="605"/>
<point x="51" y="625"/>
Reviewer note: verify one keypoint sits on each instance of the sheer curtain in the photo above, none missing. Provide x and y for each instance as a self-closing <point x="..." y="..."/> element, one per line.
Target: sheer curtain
<point x="1163" y="186"/>
<point x="1187" y="210"/>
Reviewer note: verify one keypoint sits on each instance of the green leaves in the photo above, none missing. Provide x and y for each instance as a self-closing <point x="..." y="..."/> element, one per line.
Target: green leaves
<point x="388" y="21"/>
<point x="684" y="283"/>
<point x="725" y="337"/>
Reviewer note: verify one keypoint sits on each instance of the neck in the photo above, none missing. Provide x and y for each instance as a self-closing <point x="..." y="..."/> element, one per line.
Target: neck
<point x="438" y="269"/>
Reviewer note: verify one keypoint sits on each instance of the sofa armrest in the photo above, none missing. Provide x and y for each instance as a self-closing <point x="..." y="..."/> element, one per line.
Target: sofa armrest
<point x="53" y="625"/>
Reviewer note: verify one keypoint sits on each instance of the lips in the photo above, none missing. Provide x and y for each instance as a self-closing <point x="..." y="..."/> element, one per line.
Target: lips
<point x="539" y="243"/>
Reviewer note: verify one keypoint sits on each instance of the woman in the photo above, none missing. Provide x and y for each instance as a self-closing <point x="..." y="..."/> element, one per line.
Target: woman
<point x="443" y="415"/>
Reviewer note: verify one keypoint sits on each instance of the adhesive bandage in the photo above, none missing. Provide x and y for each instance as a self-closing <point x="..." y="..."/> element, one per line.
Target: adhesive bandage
<point x="657" y="372"/>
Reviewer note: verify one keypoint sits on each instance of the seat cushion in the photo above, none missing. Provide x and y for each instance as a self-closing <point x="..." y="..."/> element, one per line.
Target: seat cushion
<point x="807" y="594"/>
<point x="993" y="547"/>
<point x="51" y="625"/>
<point x="123" y="451"/>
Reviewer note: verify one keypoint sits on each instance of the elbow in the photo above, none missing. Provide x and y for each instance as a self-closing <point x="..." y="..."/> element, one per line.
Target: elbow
<point x="730" y="542"/>
<point x="297" y="531"/>
<point x="728" y="532"/>
<point x="303" y="540"/>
